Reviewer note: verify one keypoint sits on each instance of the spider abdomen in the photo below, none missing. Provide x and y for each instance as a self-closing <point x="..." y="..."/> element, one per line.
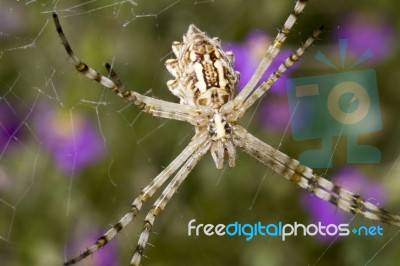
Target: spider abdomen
<point x="204" y="74"/>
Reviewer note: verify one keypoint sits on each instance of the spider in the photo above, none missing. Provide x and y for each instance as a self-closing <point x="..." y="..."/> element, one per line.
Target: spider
<point x="205" y="83"/>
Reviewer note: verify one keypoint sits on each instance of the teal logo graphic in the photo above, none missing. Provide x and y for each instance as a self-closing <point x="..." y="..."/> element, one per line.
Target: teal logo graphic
<point x="344" y="104"/>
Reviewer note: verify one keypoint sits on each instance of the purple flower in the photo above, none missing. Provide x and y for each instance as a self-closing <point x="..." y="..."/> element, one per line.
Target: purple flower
<point x="10" y="124"/>
<point x="69" y="137"/>
<point x="350" y="179"/>
<point x="10" y="22"/>
<point x="366" y="32"/>
<point x="274" y="113"/>
<point x="249" y="54"/>
<point x="105" y="256"/>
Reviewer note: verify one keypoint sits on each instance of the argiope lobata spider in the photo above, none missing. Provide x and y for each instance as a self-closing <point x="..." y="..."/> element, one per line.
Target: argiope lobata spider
<point x="205" y="82"/>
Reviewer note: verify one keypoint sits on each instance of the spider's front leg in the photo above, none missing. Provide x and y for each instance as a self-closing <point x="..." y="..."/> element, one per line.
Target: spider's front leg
<point x="292" y="59"/>
<point x="270" y="55"/>
<point x="149" y="105"/>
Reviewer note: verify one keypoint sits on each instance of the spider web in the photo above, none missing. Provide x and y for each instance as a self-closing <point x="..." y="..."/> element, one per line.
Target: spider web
<point x="73" y="156"/>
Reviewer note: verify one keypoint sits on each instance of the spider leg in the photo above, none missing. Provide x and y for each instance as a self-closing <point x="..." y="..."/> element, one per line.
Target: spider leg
<point x="305" y="177"/>
<point x="266" y="85"/>
<point x="164" y="198"/>
<point x="271" y="53"/>
<point x="160" y="112"/>
<point x="145" y="194"/>
<point x="149" y="105"/>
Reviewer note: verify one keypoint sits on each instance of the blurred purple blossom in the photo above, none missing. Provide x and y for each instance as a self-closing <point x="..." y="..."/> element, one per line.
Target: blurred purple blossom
<point x="366" y="32"/>
<point x="69" y="137"/>
<point x="10" y="19"/>
<point x="10" y="123"/>
<point x="350" y="179"/>
<point x="274" y="113"/>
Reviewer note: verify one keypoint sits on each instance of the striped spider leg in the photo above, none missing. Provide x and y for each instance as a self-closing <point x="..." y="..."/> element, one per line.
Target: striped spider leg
<point x="147" y="104"/>
<point x="184" y="161"/>
<point x="305" y="177"/>
<point x="266" y="85"/>
<point x="166" y="195"/>
<point x="266" y="61"/>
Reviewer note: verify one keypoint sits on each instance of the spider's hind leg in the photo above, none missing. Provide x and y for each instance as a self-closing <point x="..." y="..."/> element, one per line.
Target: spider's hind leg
<point x="164" y="198"/>
<point x="189" y="152"/>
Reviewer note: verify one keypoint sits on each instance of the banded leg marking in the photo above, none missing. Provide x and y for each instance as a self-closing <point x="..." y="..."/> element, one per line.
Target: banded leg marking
<point x="293" y="58"/>
<point x="272" y="52"/>
<point x="164" y="198"/>
<point x="149" y="105"/>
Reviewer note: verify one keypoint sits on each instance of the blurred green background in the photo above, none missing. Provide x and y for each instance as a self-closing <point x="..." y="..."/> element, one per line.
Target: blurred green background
<point x="46" y="213"/>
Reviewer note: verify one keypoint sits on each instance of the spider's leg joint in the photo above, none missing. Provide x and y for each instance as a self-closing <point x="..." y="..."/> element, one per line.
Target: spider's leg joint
<point x="101" y="241"/>
<point x="147" y="225"/>
<point x="295" y="178"/>
<point x="277" y="44"/>
<point x="157" y="210"/>
<point x="144" y="196"/>
<point x="294" y="57"/>
<point x="82" y="67"/>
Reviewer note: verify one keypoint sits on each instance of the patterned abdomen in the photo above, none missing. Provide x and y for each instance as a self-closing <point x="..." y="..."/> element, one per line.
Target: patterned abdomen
<point x="203" y="72"/>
